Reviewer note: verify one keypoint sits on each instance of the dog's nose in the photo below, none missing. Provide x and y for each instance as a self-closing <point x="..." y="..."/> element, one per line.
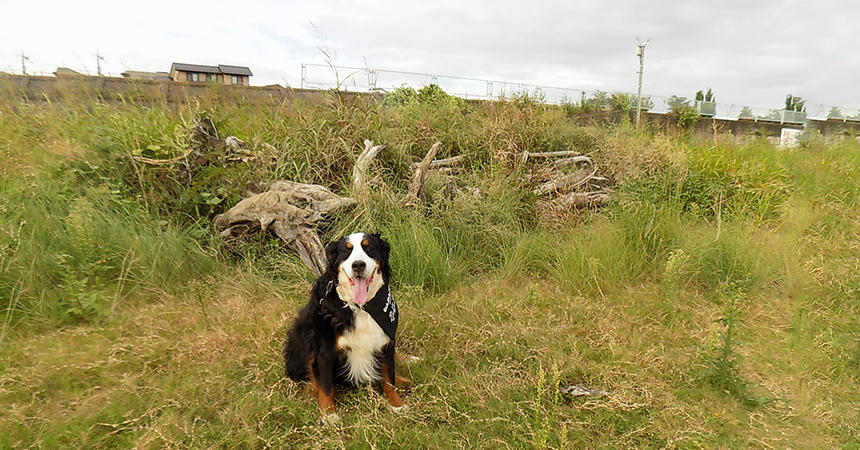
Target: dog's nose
<point x="358" y="267"/>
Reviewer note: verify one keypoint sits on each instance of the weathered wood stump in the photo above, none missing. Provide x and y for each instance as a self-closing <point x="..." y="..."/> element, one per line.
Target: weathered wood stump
<point x="290" y="210"/>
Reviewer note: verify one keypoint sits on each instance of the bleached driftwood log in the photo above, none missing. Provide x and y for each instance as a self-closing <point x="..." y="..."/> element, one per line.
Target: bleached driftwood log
<point x="415" y="194"/>
<point x="527" y="154"/>
<point x="290" y="210"/>
<point x="362" y="164"/>
<point x="562" y="162"/>
<point x="583" y="199"/>
<point x="444" y="162"/>
<point x="568" y="182"/>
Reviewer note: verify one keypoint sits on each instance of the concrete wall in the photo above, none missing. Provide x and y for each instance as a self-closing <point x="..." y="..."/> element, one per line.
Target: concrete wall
<point x="831" y="128"/>
<point x="835" y="127"/>
<point x="113" y="89"/>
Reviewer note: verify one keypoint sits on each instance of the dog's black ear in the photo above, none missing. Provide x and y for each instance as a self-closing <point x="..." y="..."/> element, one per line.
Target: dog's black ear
<point x="385" y="249"/>
<point x="383" y="246"/>
<point x="331" y="250"/>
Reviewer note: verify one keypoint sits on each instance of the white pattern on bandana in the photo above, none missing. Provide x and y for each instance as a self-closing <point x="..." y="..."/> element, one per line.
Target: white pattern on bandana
<point x="390" y="302"/>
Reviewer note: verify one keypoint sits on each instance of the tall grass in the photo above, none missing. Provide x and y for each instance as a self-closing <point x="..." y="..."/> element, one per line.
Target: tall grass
<point x="672" y="196"/>
<point x="72" y="255"/>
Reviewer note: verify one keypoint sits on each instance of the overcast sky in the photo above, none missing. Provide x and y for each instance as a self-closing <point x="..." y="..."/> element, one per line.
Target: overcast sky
<point x="748" y="52"/>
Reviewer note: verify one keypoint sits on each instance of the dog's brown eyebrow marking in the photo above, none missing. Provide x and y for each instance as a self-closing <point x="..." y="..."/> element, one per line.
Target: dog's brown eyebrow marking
<point x="349" y="245"/>
<point x="364" y="242"/>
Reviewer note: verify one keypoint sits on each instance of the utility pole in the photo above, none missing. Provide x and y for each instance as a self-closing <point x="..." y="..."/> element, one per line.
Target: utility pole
<point x="99" y="59"/>
<point x="304" y="74"/>
<point x="640" y="52"/>
<point x="24" y="59"/>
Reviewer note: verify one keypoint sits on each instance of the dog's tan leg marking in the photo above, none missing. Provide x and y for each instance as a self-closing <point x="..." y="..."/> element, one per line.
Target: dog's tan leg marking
<point x="326" y="401"/>
<point x="389" y="390"/>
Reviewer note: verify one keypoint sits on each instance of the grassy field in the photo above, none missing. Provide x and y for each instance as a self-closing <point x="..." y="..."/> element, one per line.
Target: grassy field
<point x="716" y="299"/>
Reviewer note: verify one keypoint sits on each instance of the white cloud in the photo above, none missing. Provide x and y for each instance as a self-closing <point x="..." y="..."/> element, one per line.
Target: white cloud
<point x="748" y="52"/>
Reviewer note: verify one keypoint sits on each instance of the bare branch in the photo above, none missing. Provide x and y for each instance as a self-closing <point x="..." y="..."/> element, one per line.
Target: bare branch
<point x="527" y="154"/>
<point x="362" y="164"/>
<point x="566" y="182"/>
<point x="553" y="154"/>
<point x="416" y="187"/>
<point x="438" y="163"/>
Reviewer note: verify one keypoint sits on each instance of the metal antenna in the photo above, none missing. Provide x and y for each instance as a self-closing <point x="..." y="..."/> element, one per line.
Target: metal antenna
<point x="24" y="59"/>
<point x="640" y="52"/>
<point x="99" y="59"/>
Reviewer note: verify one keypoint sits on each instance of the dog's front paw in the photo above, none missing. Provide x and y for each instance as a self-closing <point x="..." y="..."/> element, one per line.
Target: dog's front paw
<point x="330" y="419"/>
<point x="400" y="409"/>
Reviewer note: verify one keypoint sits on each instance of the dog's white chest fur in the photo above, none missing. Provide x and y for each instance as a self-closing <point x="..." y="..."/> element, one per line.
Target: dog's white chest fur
<point x="361" y="345"/>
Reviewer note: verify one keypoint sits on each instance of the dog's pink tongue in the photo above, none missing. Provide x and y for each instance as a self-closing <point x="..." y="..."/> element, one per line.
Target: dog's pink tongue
<point x="359" y="291"/>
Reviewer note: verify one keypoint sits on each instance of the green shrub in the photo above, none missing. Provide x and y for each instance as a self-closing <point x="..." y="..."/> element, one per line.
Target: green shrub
<point x="401" y="96"/>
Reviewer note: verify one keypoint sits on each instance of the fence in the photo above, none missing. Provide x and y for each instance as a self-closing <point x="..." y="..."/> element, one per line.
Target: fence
<point x="365" y="79"/>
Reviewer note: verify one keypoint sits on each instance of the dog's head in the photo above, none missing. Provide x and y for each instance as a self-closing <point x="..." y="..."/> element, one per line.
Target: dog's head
<point x="361" y="263"/>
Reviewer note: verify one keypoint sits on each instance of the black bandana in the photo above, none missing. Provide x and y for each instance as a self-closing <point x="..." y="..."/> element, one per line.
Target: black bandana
<point x="383" y="309"/>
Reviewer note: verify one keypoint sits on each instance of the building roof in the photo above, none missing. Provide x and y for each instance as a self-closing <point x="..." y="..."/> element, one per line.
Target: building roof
<point x="235" y="70"/>
<point x="221" y="68"/>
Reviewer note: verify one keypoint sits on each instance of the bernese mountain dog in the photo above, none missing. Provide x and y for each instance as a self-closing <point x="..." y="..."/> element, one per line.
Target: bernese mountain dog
<point x="345" y="333"/>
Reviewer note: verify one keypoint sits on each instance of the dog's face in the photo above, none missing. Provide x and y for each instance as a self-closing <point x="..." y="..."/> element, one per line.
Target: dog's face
<point x="361" y="263"/>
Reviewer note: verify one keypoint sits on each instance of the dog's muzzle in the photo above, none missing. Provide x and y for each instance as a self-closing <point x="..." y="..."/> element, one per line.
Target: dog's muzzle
<point x="360" y="282"/>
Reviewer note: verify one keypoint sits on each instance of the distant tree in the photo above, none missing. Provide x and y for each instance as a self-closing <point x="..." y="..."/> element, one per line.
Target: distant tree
<point x="675" y="102"/>
<point x="599" y="100"/>
<point x="687" y="114"/>
<point x="794" y="103"/>
<point x="647" y="103"/>
<point x="623" y="102"/>
<point x="746" y="113"/>
<point x="705" y="97"/>
<point x="835" y="113"/>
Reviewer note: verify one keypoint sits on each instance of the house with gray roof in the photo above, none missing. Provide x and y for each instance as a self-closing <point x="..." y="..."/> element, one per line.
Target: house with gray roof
<point x="222" y="74"/>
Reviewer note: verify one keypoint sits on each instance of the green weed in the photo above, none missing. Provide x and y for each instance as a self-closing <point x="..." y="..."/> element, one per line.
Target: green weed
<point x="722" y="360"/>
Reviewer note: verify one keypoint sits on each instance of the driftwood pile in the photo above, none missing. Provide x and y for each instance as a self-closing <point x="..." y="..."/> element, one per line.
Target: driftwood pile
<point x="293" y="211"/>
<point x="565" y="189"/>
